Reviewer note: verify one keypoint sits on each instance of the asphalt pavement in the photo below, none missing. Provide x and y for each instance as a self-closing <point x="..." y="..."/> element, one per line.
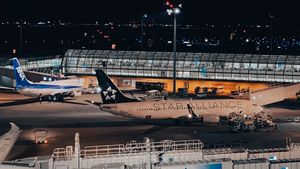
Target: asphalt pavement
<point x="63" y="120"/>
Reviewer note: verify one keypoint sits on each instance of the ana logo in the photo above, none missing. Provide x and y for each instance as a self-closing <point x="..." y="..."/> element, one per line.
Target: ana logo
<point x="21" y="73"/>
<point x="110" y="94"/>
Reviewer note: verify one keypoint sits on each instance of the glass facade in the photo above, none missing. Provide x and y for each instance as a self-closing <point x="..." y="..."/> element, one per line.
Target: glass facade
<point x="213" y="66"/>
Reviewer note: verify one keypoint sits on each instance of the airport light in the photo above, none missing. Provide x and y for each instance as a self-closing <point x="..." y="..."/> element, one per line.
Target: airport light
<point x="142" y="29"/>
<point x="174" y="11"/>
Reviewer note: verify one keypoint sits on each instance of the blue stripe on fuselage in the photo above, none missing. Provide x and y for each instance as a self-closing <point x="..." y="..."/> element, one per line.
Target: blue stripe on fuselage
<point x="45" y="86"/>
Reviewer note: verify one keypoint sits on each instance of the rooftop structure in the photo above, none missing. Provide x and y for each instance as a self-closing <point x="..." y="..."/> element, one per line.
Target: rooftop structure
<point x="163" y="155"/>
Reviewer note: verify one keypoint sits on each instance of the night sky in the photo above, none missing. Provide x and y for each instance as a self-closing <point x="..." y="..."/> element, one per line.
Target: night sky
<point x="194" y="11"/>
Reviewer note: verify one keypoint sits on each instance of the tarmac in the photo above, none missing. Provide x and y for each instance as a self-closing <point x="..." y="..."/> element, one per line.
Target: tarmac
<point x="63" y="120"/>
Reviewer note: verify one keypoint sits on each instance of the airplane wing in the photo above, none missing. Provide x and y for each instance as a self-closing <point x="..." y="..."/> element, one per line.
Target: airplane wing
<point x="7" y="88"/>
<point x="8" y="140"/>
<point x="94" y="103"/>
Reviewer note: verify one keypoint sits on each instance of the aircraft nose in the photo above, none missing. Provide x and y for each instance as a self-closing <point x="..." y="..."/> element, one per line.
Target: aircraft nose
<point x="259" y="109"/>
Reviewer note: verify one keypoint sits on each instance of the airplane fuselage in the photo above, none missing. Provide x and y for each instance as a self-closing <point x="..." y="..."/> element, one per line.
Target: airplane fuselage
<point x="41" y="89"/>
<point x="172" y="109"/>
<point x="51" y="88"/>
<point x="31" y="92"/>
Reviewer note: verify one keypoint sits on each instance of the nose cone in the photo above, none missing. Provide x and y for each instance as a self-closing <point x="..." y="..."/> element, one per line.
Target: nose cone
<point x="258" y="109"/>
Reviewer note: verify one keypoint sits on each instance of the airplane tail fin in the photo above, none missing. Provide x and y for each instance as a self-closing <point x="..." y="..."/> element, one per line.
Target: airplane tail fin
<point x="21" y="80"/>
<point x="109" y="91"/>
<point x="191" y="114"/>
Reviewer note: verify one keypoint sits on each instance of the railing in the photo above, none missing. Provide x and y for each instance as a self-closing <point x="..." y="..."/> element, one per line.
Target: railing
<point x="131" y="148"/>
<point x="105" y="150"/>
<point x="59" y="152"/>
<point x="134" y="148"/>
<point x="295" y="145"/>
<point x="223" y="151"/>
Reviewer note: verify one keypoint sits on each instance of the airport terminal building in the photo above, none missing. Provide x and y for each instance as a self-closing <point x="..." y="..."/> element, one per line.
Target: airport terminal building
<point x="212" y="66"/>
<point x="193" y="69"/>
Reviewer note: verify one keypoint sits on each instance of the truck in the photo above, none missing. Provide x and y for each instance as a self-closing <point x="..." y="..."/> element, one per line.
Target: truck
<point x="40" y="136"/>
<point x="150" y="86"/>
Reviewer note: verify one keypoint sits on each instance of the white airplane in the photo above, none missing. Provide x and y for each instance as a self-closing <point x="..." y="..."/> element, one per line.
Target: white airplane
<point x="115" y="102"/>
<point x="54" y="90"/>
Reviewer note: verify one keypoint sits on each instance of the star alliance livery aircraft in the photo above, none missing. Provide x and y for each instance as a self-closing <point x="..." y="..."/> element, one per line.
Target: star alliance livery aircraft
<point x="115" y="102"/>
<point x="54" y="90"/>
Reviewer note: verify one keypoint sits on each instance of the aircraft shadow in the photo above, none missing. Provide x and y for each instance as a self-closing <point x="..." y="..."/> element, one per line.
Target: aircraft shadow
<point x="36" y="100"/>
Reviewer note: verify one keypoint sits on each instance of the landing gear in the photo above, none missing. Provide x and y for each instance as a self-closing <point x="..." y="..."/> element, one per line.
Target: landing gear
<point x="52" y="98"/>
<point x="190" y="118"/>
<point x="189" y="121"/>
<point x="59" y="97"/>
<point x="72" y="94"/>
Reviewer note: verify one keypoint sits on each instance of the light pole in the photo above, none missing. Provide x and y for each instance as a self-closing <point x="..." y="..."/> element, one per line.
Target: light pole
<point x="175" y="11"/>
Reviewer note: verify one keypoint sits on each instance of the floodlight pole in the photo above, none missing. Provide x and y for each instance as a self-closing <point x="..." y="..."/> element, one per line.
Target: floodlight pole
<point x="174" y="54"/>
<point x="174" y="11"/>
